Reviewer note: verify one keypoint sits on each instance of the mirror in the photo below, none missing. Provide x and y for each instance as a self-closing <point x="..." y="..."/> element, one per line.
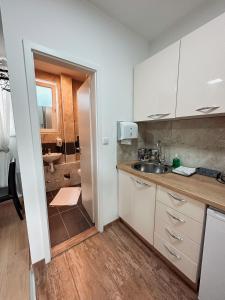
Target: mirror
<point x="47" y="105"/>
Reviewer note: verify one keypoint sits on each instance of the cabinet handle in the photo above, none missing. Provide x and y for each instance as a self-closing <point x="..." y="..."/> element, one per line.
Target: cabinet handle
<point x="140" y="182"/>
<point x="207" y="109"/>
<point x="158" y="116"/>
<point x="175" y="218"/>
<point x="176" y="198"/>
<point x="173" y="235"/>
<point x="173" y="253"/>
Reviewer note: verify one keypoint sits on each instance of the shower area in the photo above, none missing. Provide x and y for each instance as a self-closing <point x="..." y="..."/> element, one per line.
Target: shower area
<point x="63" y="101"/>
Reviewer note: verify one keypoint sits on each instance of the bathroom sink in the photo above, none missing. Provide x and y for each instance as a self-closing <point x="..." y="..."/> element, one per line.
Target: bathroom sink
<point x="50" y="157"/>
<point x="149" y="167"/>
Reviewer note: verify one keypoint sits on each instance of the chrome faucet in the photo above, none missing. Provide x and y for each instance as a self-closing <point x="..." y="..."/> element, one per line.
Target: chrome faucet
<point x="159" y="148"/>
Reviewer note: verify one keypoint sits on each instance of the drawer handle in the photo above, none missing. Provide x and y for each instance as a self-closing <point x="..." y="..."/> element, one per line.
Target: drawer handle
<point x="207" y="109"/>
<point x="140" y="182"/>
<point x="176" y="198"/>
<point x="173" y="235"/>
<point x="173" y="253"/>
<point x="175" y="218"/>
<point x="158" y="116"/>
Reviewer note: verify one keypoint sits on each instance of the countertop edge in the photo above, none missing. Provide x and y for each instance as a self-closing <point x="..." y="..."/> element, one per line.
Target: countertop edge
<point x="125" y="167"/>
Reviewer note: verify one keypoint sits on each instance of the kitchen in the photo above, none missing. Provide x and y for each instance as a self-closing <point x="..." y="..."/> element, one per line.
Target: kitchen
<point x="173" y="197"/>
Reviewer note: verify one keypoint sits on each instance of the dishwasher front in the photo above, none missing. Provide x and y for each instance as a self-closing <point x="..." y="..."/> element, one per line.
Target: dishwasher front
<point x="212" y="281"/>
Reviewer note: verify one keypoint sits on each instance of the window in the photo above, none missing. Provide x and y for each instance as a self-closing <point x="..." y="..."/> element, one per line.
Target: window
<point x="47" y="105"/>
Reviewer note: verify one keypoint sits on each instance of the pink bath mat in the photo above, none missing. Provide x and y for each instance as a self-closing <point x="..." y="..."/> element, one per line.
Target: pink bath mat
<point x="66" y="196"/>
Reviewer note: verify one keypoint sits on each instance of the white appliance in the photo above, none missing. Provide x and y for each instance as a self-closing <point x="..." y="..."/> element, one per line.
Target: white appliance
<point x="127" y="130"/>
<point x="212" y="284"/>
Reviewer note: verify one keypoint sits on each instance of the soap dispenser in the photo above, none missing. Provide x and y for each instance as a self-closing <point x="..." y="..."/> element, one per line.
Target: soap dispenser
<point x="176" y="162"/>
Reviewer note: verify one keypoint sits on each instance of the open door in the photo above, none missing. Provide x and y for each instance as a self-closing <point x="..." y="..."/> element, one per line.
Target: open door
<point x="85" y="137"/>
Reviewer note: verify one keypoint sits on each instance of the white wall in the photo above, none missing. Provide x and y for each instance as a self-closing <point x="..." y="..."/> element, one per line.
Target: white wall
<point x="209" y="10"/>
<point x="81" y="30"/>
<point x="2" y="49"/>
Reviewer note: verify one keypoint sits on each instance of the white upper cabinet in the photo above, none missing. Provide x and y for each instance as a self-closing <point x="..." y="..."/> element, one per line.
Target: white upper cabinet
<point x="201" y="85"/>
<point x="155" y="85"/>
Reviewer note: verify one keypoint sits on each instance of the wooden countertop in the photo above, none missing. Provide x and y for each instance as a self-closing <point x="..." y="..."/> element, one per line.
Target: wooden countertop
<point x="198" y="187"/>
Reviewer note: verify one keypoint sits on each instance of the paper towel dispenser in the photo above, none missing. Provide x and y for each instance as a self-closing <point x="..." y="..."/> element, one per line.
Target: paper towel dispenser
<point x="127" y="131"/>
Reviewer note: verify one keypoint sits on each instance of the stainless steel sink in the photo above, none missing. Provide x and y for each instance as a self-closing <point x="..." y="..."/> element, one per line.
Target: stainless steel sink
<point x="149" y="167"/>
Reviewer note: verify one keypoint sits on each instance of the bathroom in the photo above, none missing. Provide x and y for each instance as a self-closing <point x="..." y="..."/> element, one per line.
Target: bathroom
<point x="58" y="87"/>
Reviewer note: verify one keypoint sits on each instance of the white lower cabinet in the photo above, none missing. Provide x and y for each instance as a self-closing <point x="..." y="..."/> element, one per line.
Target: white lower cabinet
<point x="173" y="223"/>
<point x="125" y="195"/>
<point x="137" y="204"/>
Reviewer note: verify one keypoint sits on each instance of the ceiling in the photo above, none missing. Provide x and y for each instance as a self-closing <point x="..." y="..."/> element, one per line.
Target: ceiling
<point x="150" y="18"/>
<point x="53" y="66"/>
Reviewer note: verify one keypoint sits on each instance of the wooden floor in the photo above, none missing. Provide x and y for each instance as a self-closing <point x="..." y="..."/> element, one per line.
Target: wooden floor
<point x="14" y="255"/>
<point x="111" y="265"/>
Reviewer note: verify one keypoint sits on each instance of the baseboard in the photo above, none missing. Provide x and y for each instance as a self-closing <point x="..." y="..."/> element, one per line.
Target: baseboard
<point x="38" y="264"/>
<point x="110" y="224"/>
<point x="74" y="241"/>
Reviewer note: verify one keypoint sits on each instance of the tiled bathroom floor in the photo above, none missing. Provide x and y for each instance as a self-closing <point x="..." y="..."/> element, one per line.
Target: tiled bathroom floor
<point x="66" y="221"/>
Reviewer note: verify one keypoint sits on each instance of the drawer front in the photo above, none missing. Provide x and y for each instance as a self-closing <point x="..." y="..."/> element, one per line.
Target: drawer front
<point x="178" y="259"/>
<point x="179" y="222"/>
<point x="183" y="204"/>
<point x="177" y="240"/>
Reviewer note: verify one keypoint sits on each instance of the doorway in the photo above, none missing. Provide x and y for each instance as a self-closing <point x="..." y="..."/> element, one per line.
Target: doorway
<point x="77" y="164"/>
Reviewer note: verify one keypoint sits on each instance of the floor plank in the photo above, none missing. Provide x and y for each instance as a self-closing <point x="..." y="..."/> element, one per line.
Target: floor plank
<point x="55" y="282"/>
<point x="14" y="255"/>
<point x="58" y="249"/>
<point x="111" y="265"/>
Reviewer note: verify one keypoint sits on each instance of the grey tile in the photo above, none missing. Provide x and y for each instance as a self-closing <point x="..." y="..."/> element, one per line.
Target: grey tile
<point x="74" y="221"/>
<point x="66" y="208"/>
<point x="86" y="215"/>
<point x="58" y="233"/>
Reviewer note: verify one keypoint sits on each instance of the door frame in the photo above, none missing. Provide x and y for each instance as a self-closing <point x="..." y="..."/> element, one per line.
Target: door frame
<point x="29" y="48"/>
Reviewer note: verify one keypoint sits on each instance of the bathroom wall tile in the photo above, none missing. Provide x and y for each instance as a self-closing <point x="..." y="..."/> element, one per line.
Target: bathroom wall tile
<point x="71" y="158"/>
<point x="65" y="175"/>
<point x="70" y="148"/>
<point x="67" y="107"/>
<point x="52" y="147"/>
<point x="198" y="142"/>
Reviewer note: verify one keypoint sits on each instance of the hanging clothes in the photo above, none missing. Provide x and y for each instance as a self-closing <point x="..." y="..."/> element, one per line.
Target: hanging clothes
<point x="5" y="155"/>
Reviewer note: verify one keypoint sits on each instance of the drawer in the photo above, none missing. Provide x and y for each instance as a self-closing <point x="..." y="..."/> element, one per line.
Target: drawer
<point x="179" y="222"/>
<point x="178" y="259"/>
<point x="177" y="240"/>
<point x="183" y="204"/>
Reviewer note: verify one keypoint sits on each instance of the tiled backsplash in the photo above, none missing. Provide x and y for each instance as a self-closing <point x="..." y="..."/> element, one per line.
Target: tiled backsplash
<point x="198" y="142"/>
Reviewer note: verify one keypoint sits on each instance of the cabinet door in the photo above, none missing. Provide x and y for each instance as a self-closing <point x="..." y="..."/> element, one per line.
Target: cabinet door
<point x="143" y="208"/>
<point x="125" y="196"/>
<point x="201" y="85"/>
<point x="155" y="85"/>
